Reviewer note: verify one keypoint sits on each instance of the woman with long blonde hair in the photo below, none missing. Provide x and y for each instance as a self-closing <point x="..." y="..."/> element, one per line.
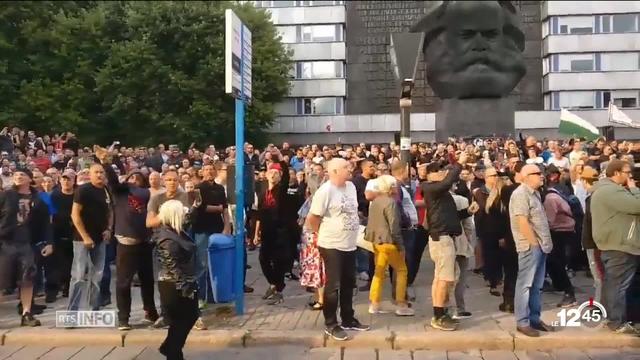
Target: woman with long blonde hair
<point x="492" y="226"/>
<point x="177" y="282"/>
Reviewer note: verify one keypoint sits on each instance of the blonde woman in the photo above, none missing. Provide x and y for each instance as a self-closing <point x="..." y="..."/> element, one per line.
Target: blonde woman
<point x="177" y="281"/>
<point x="383" y="230"/>
<point x="492" y="227"/>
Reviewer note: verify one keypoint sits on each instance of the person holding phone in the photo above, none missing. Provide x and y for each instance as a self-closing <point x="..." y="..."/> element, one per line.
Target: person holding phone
<point x="134" y="251"/>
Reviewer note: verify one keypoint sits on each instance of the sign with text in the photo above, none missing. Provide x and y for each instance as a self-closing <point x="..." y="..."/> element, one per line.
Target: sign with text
<point x="237" y="57"/>
<point x="86" y="319"/>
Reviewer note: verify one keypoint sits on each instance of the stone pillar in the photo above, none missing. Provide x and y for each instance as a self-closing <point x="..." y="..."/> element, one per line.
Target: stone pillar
<point x="473" y="117"/>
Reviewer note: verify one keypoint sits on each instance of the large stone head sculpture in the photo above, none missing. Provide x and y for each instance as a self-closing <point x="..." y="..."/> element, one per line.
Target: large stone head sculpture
<point x="472" y="49"/>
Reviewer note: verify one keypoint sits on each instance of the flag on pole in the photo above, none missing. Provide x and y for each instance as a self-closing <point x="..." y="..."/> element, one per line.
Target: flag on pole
<point x="618" y="117"/>
<point x="573" y="125"/>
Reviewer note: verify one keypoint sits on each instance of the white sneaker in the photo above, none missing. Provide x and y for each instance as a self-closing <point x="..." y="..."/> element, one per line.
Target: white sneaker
<point x="405" y="311"/>
<point x="363" y="276"/>
<point x="376" y="309"/>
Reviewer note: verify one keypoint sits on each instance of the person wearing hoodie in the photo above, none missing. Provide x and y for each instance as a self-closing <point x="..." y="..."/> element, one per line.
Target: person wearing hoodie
<point x="615" y="214"/>
<point x="134" y="252"/>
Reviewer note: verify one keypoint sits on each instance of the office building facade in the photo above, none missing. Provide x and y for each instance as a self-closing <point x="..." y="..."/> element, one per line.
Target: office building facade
<point x="591" y="54"/>
<point x="579" y="55"/>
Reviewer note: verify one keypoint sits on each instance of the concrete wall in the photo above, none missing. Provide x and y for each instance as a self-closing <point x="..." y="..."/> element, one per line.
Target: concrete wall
<point x="557" y="44"/>
<point x="318" y="87"/>
<point x="382" y="127"/>
<point x="318" y="51"/>
<point x="308" y="15"/>
<point x="619" y="80"/>
<point x="550" y="8"/>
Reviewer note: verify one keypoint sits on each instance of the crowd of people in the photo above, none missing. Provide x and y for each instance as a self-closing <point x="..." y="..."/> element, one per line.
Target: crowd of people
<point x="519" y="210"/>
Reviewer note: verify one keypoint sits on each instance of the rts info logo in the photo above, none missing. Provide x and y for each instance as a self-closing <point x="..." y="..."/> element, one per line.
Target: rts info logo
<point x="590" y="315"/>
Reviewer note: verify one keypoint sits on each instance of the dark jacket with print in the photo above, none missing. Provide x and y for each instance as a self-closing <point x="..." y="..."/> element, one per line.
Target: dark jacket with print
<point x="38" y="221"/>
<point x="177" y="257"/>
<point x="130" y="206"/>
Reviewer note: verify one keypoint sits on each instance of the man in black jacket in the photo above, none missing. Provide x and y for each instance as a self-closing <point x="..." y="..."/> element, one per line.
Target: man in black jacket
<point x="134" y="251"/>
<point x="444" y="226"/>
<point x="24" y="227"/>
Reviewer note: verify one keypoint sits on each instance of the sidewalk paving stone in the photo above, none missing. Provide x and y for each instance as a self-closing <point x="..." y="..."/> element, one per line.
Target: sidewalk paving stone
<point x="429" y="355"/>
<point x="325" y="354"/>
<point x="62" y="337"/>
<point x="30" y="352"/>
<point x="92" y="353"/>
<point x="60" y="353"/>
<point x="270" y="337"/>
<point x="432" y="339"/>
<point x="359" y="354"/>
<point x="124" y="353"/>
<point x="374" y="339"/>
<point x="394" y="355"/>
<point x="8" y="350"/>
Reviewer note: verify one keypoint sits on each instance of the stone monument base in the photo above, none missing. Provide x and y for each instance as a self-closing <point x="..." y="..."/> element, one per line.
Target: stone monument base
<point x="475" y="117"/>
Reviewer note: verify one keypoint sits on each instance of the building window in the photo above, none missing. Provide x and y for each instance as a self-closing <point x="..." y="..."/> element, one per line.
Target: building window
<point x="573" y="62"/>
<point x="582" y="65"/>
<point x="624" y="23"/>
<point x="577" y="99"/>
<point x="319" y="69"/>
<point x="620" y="61"/>
<point x="575" y="24"/>
<point x="288" y="34"/>
<point x="283" y="3"/>
<point x="620" y="98"/>
<point x="319" y="106"/>
<point x="625" y="102"/>
<point x="320" y="3"/>
<point x="321" y="33"/>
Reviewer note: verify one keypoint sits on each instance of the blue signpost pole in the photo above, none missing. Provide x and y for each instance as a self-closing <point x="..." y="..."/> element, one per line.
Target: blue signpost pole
<point x="239" y="226"/>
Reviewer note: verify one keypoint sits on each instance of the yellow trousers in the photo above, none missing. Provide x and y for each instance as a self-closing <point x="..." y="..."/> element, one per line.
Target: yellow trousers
<point x="385" y="255"/>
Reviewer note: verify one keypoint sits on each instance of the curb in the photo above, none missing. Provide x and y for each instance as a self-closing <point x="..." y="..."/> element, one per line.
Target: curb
<point x="377" y="339"/>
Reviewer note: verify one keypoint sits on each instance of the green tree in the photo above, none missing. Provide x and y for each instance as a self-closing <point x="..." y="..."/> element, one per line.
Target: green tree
<point x="139" y="72"/>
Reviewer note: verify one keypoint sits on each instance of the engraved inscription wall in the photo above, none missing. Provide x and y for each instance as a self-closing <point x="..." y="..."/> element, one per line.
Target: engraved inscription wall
<point x="371" y="87"/>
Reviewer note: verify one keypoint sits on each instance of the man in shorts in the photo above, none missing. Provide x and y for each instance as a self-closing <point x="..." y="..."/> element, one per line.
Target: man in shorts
<point x="444" y="226"/>
<point x="24" y="229"/>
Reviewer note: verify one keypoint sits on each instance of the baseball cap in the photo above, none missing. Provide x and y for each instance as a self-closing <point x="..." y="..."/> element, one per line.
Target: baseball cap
<point x="26" y="172"/>
<point x="275" y="166"/>
<point x="434" y="167"/>
<point x="69" y="174"/>
<point x="589" y="173"/>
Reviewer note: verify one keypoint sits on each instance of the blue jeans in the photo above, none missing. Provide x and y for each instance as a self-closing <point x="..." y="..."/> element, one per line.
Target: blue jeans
<point x="86" y="274"/>
<point x="619" y="270"/>
<point x="105" y="283"/>
<point x="528" y="294"/>
<point x="202" y="264"/>
<point x="362" y="260"/>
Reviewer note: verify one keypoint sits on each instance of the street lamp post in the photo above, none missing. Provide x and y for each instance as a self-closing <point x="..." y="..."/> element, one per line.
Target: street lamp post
<point x="405" y="49"/>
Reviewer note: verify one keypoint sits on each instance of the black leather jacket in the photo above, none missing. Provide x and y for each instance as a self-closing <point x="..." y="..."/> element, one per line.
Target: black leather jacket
<point x="442" y="214"/>
<point x="177" y="256"/>
<point x="39" y="220"/>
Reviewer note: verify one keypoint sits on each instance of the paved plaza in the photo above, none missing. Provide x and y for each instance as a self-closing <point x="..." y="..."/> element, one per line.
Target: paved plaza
<point x="291" y="329"/>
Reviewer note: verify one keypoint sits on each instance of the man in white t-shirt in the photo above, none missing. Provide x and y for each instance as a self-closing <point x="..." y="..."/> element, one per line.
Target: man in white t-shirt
<point x="334" y="216"/>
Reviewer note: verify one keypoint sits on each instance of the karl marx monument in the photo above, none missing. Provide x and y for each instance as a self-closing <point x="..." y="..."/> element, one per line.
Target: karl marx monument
<point x="473" y="56"/>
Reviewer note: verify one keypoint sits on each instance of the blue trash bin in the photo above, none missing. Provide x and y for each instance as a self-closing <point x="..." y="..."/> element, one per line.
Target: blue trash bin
<point x="221" y="260"/>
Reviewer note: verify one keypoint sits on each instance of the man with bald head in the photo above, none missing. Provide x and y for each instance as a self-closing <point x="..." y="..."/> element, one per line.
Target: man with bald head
<point x="334" y="217"/>
<point x="93" y="220"/>
<point x="532" y="237"/>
